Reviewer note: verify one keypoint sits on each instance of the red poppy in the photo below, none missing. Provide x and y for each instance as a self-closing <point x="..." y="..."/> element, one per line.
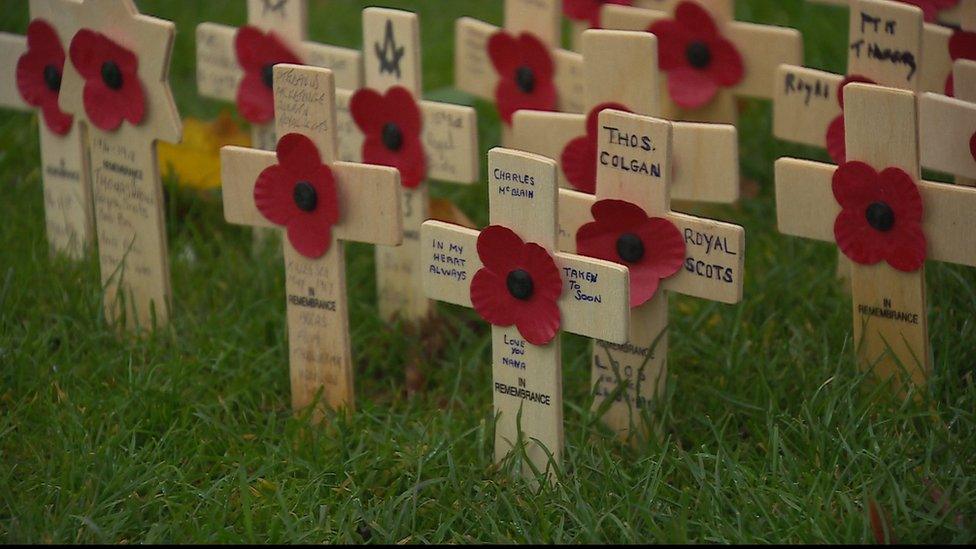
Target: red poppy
<point x="881" y="216"/>
<point x="257" y="54"/>
<point x="651" y="247"/>
<point x="962" y="45"/>
<point x="113" y="92"/>
<point x="39" y="72"/>
<point x="391" y="124"/>
<point x="696" y="57"/>
<point x="931" y="8"/>
<point x="578" y="158"/>
<point x="972" y="146"/>
<point x="525" y="72"/>
<point x="519" y="284"/>
<point x="589" y="10"/>
<point x="299" y="193"/>
<point x="836" y="135"/>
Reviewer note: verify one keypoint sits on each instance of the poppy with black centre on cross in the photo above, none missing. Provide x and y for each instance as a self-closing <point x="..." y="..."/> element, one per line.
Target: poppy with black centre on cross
<point x="525" y="74"/>
<point x="39" y="72"/>
<point x="113" y="91"/>
<point x="392" y="124"/>
<point x="257" y="54"/>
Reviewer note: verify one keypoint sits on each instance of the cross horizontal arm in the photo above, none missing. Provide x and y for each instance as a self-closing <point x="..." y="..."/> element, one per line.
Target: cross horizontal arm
<point x="450" y="258"/>
<point x="804" y="104"/>
<point x="450" y="138"/>
<point x="12" y="46"/>
<point x="946" y="126"/>
<point x="595" y="302"/>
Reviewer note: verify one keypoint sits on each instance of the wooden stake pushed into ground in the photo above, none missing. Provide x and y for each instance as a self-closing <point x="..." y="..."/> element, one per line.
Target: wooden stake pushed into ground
<point x="630" y="221"/>
<point x="116" y="83"/>
<point x="620" y="69"/>
<point x="513" y="276"/>
<point x="388" y="123"/>
<point x="519" y="65"/>
<point x="29" y="84"/>
<point x="886" y="220"/>
<point x="713" y="59"/>
<point x="321" y="203"/>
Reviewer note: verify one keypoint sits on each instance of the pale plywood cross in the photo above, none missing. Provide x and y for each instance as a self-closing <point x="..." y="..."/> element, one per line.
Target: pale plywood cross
<point x="448" y="139"/>
<point x="591" y="298"/>
<point x="937" y="12"/>
<point x="761" y="48"/>
<point x="948" y="127"/>
<point x="68" y="217"/>
<point x="126" y="105"/>
<point x="219" y="72"/>
<point x="711" y="265"/>
<point x="474" y="72"/>
<point x="890" y="316"/>
<point x="621" y="67"/>
<point x="368" y="201"/>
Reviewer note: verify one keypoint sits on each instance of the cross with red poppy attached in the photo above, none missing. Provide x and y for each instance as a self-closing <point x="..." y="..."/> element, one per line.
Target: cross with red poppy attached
<point x="619" y="71"/>
<point x="936" y="11"/>
<point x="709" y="59"/>
<point x="33" y="66"/>
<point x="116" y="83"/>
<point x="948" y="127"/>
<point x="512" y="275"/>
<point x="235" y="64"/>
<point x="886" y="220"/>
<point x="630" y="222"/>
<point x="519" y="66"/>
<point x="320" y="203"/>
<point x="393" y="126"/>
<point x="585" y="14"/>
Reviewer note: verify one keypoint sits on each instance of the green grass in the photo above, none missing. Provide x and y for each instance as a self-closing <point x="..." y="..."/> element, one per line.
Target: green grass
<point x="770" y="433"/>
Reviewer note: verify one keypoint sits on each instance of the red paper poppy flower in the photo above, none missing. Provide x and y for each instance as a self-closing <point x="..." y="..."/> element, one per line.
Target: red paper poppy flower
<point x="962" y="45"/>
<point x="299" y="193"/>
<point x="391" y="124"/>
<point x="589" y="10"/>
<point x="931" y="8"/>
<point x="257" y="54"/>
<point x="836" y="135"/>
<point x="696" y="57"/>
<point x="578" y="158"/>
<point x="39" y="72"/>
<point x="519" y="284"/>
<point x="525" y="74"/>
<point x="113" y="92"/>
<point x="881" y="216"/>
<point x="972" y="146"/>
<point x="651" y="247"/>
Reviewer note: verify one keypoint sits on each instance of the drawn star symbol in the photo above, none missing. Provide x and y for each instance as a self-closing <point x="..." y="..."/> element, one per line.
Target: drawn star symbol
<point x="389" y="55"/>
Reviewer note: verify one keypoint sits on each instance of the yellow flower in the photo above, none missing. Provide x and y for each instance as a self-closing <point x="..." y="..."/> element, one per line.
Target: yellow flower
<point x="196" y="161"/>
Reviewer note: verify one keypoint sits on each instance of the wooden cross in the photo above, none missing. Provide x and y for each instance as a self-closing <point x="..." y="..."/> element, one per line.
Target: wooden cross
<point x="761" y="48"/>
<point x="219" y="73"/>
<point x="588" y="297"/>
<point x="368" y="201"/>
<point x="69" y="220"/>
<point x="709" y="264"/>
<point x="890" y="316"/>
<point x="474" y="72"/>
<point x="951" y="16"/>
<point x="449" y="142"/>
<point x="116" y="83"/>
<point x="621" y="67"/>
<point x="948" y="127"/>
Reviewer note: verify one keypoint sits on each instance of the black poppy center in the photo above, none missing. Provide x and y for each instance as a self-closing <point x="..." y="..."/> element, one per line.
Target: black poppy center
<point x="520" y="284"/>
<point x="880" y="216"/>
<point x="630" y="248"/>
<point x="267" y="75"/>
<point x="392" y="136"/>
<point x="525" y="79"/>
<point x="305" y="196"/>
<point x="112" y="75"/>
<point x="52" y="78"/>
<point x="698" y="54"/>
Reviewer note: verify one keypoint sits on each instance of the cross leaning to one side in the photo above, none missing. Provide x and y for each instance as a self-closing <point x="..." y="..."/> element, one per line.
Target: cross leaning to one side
<point x="513" y="276"/>
<point x="886" y="220"/>
<point x="34" y="65"/>
<point x="322" y="203"/>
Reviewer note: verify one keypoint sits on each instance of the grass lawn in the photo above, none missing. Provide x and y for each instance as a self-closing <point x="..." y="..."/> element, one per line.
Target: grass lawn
<point x="769" y="432"/>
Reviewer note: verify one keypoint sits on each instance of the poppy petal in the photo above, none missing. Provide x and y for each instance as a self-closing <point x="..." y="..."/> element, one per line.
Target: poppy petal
<point x="619" y="214"/>
<point x="858" y="240"/>
<point x="643" y="285"/>
<point x="899" y="191"/>
<point x="962" y="45"/>
<point x="690" y="15"/>
<point x="404" y="110"/>
<point x="310" y="234"/>
<point x="503" y="50"/>
<point x="672" y="43"/>
<point x="691" y="88"/>
<point x="491" y="300"/>
<point x="536" y="55"/>
<point x="855" y="185"/>
<point x="727" y="67"/>
<point x="273" y="195"/>
<point x="548" y="284"/>
<point x="499" y="248"/>
<point x="56" y="120"/>
<point x="540" y="326"/>
<point x="255" y="101"/>
<point x="837" y="140"/>
<point x="907" y="253"/>
<point x="99" y="104"/>
<point x="578" y="161"/>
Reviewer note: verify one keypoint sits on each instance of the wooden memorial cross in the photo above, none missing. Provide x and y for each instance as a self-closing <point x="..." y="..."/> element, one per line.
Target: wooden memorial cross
<point x="936" y="11"/>
<point x="709" y="58"/>
<point x="387" y="123"/>
<point x="513" y="276"/>
<point x="620" y="70"/>
<point x="33" y="66"/>
<point x="116" y="83"/>
<point x="519" y="66"/>
<point x="886" y="220"/>
<point x="276" y="33"/>
<point x="948" y="127"/>
<point x="321" y="203"/>
<point x="630" y="221"/>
